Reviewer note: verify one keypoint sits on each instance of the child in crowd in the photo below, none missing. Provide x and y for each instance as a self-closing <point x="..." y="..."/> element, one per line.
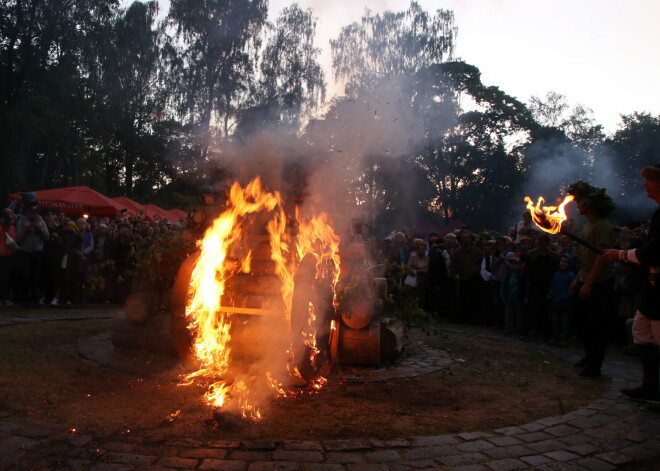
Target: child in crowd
<point x="561" y="301"/>
<point x="512" y="293"/>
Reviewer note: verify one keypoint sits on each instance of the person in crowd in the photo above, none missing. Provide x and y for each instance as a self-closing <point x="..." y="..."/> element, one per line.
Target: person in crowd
<point x="7" y="251"/>
<point x="646" y="325"/>
<point x="399" y="251"/>
<point x="561" y="301"/>
<point x="16" y="206"/>
<point x="497" y="270"/>
<point x="122" y="257"/>
<point x="512" y="293"/>
<point x="511" y="233"/>
<point x="436" y="287"/>
<point x="431" y="236"/>
<point x="568" y="248"/>
<point x="533" y="235"/>
<point x="525" y="225"/>
<point x="31" y="232"/>
<point x="102" y="266"/>
<point x="510" y="245"/>
<point x="628" y="282"/>
<point x="81" y="265"/>
<point x="66" y="289"/>
<point x="418" y="267"/>
<point x="466" y="266"/>
<point x="62" y="220"/>
<point x="595" y="282"/>
<point x="23" y="203"/>
<point x="487" y="266"/>
<point x="50" y="273"/>
<point x="540" y="267"/>
<point x="451" y="302"/>
<point x="150" y="233"/>
<point x="525" y="244"/>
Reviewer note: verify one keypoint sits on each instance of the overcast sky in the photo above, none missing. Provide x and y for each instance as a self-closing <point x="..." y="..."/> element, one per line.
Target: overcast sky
<point x="603" y="54"/>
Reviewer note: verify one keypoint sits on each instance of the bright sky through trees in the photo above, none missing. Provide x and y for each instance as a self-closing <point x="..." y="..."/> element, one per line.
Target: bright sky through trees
<point x="603" y="54"/>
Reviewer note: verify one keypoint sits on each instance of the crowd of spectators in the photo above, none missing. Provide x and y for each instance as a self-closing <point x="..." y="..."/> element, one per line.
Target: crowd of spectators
<point x="519" y="282"/>
<point x="48" y="257"/>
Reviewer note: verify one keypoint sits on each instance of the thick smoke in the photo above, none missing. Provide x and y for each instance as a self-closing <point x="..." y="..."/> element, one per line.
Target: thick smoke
<point x="318" y="171"/>
<point x="554" y="165"/>
<point x="331" y="162"/>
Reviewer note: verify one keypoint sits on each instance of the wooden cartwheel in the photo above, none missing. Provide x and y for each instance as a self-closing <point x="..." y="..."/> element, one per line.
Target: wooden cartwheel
<point x="312" y="291"/>
<point x="308" y="291"/>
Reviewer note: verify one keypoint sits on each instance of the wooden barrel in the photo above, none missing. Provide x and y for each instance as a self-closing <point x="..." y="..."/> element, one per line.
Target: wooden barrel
<point x="358" y="312"/>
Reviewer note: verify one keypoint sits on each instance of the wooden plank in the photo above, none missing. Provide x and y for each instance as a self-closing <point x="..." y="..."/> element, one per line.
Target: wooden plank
<point x="249" y="311"/>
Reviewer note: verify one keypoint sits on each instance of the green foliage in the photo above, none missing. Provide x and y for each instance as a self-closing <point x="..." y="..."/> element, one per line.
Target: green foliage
<point x="402" y="302"/>
<point x="291" y="82"/>
<point x="157" y="261"/>
<point x="466" y="158"/>
<point x="213" y="56"/>
<point x="154" y="264"/>
<point x="596" y="198"/>
<point x="636" y="144"/>
<point x="98" y="92"/>
<point x="392" y="44"/>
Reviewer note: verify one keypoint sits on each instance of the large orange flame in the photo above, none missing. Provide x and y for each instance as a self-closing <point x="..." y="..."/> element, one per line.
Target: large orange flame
<point x="548" y="218"/>
<point x="316" y="236"/>
<point x="219" y="260"/>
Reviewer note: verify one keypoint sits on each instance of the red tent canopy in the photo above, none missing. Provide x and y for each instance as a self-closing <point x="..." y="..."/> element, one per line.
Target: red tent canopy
<point x="178" y="214"/>
<point x="155" y="213"/>
<point x="150" y="212"/>
<point x="76" y="201"/>
<point x="133" y="208"/>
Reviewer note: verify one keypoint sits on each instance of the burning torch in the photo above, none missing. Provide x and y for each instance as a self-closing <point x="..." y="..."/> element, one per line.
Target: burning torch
<point x="550" y="218"/>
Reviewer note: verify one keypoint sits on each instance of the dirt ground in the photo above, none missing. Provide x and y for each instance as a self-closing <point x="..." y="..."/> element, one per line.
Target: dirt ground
<point x="489" y="384"/>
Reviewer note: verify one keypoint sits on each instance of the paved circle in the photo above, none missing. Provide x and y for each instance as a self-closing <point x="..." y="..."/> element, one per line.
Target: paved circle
<point x="608" y="433"/>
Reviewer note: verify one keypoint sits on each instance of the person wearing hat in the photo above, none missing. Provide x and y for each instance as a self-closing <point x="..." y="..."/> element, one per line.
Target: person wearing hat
<point x="646" y="324"/>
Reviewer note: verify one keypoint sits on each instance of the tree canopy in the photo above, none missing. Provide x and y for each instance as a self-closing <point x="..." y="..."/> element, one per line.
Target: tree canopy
<point x="133" y="100"/>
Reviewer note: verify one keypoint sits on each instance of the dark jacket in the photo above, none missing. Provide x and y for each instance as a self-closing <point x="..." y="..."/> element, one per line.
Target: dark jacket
<point x="649" y="256"/>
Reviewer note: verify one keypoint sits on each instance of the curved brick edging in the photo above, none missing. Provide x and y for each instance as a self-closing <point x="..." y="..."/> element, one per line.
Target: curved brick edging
<point x="610" y="432"/>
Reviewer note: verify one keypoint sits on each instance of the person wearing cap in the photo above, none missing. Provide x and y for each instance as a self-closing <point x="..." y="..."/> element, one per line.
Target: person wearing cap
<point x="646" y="324"/>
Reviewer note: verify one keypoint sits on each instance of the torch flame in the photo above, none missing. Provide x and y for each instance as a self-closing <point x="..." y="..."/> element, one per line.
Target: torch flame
<point x="548" y="218"/>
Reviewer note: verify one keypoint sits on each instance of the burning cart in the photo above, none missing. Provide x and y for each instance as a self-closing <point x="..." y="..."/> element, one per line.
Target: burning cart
<point x="272" y="296"/>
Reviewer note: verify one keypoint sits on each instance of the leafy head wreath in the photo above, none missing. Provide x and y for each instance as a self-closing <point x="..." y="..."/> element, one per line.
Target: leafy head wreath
<point x="596" y="198"/>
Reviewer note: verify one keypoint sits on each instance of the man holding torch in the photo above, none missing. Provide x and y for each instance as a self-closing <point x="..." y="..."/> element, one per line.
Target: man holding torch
<point x="595" y="280"/>
<point x="646" y="325"/>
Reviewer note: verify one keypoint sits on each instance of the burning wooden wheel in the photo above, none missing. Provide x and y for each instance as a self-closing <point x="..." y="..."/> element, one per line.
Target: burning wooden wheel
<point x="312" y="313"/>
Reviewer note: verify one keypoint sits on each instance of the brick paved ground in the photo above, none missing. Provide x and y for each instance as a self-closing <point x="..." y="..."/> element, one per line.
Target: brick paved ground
<point x="608" y="433"/>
